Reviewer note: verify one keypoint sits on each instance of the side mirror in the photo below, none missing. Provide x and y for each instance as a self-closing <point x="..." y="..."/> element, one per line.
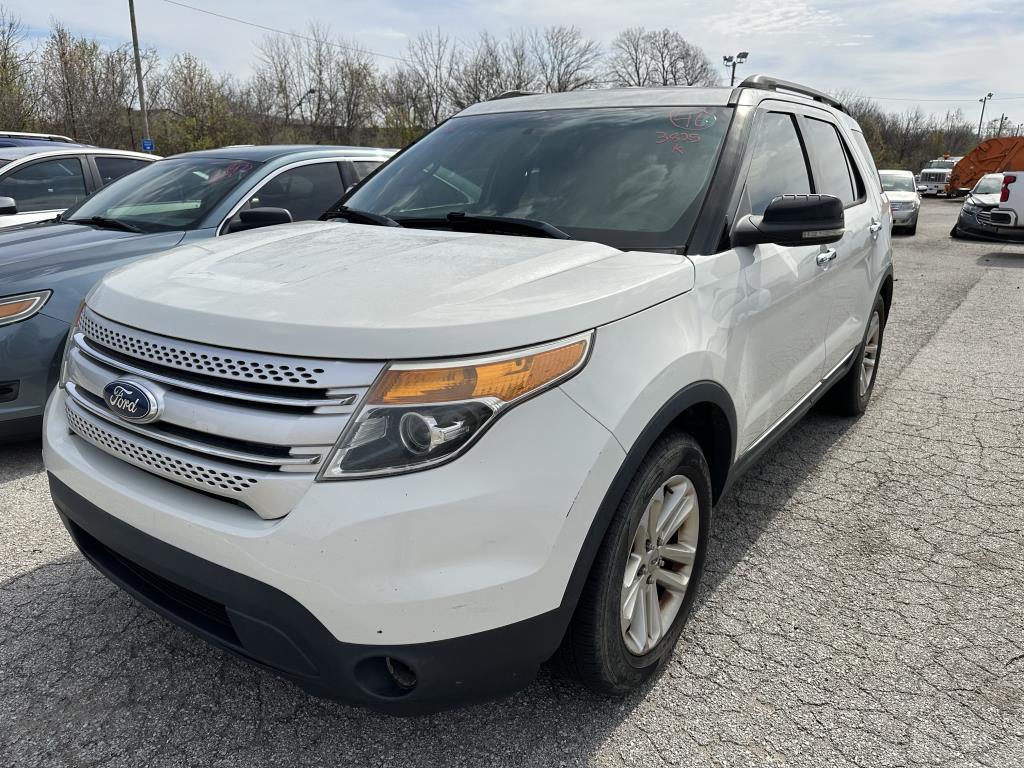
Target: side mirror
<point x="794" y="220"/>
<point x="8" y="206"/>
<point x="255" y="218"/>
<point x="921" y="188"/>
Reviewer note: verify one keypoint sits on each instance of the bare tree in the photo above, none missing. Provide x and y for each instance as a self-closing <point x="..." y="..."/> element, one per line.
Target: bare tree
<point x="674" y="61"/>
<point x="478" y="73"/>
<point x="431" y="65"/>
<point x="17" y="104"/>
<point x="566" y="60"/>
<point x="630" y="61"/>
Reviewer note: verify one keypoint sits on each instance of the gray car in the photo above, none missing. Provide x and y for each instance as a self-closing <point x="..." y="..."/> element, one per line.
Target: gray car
<point x="46" y="268"/>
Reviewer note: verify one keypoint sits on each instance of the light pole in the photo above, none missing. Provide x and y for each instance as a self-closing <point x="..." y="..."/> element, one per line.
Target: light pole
<point x="981" y="119"/>
<point x="138" y="77"/>
<point x="732" y="61"/>
<point x="1002" y="120"/>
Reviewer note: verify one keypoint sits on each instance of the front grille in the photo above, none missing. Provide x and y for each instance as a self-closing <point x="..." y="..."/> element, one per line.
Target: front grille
<point x="897" y="206"/>
<point x="250" y="427"/>
<point x="933" y="176"/>
<point x="156" y="461"/>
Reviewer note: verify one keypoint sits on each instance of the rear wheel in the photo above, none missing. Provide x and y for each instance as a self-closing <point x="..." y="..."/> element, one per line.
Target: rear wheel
<point x="850" y="395"/>
<point x="912" y="229"/>
<point x="643" y="581"/>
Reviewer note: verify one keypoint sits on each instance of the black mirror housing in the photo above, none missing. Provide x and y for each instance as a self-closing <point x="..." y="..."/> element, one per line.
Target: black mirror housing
<point x="255" y="218"/>
<point x="8" y="206"/>
<point x="794" y="220"/>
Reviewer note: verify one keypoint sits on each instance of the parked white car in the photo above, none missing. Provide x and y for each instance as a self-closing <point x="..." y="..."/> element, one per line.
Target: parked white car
<point x="405" y="456"/>
<point x="994" y="209"/>
<point x="904" y="199"/>
<point x="39" y="182"/>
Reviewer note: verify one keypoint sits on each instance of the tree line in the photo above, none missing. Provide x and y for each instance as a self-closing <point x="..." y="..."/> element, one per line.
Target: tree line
<point x="311" y="87"/>
<point x="315" y="87"/>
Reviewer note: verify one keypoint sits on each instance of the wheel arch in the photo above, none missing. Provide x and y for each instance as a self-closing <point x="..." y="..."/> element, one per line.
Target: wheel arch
<point x="886" y="292"/>
<point x="703" y="409"/>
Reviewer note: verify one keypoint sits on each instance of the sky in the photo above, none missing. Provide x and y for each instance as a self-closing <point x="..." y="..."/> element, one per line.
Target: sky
<point x="939" y="54"/>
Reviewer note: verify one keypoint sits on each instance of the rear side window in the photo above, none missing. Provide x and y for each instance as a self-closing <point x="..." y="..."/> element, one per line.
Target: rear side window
<point x="111" y="168"/>
<point x="777" y="165"/>
<point x="862" y="145"/>
<point x="831" y="161"/>
<point x="49" y="185"/>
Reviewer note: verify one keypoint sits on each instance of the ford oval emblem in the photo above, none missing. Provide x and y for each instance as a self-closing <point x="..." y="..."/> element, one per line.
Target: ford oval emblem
<point x="132" y="401"/>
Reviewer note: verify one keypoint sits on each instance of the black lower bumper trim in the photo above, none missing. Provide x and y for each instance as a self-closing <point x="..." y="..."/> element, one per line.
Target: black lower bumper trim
<point x="266" y="626"/>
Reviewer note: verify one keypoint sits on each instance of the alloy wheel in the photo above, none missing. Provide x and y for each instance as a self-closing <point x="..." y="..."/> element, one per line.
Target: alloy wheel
<point x="870" y="357"/>
<point x="659" y="564"/>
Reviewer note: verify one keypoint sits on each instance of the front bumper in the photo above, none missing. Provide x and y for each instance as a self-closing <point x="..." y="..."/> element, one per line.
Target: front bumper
<point x="29" y="364"/>
<point x="904" y="217"/>
<point x="461" y="572"/>
<point x="264" y="625"/>
<point x="968" y="225"/>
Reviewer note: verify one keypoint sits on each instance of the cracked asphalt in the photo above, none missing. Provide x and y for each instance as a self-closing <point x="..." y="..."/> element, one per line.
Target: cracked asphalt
<point x="863" y="605"/>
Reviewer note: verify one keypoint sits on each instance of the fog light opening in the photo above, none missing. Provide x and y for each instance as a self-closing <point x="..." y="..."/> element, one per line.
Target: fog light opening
<point x="385" y="676"/>
<point x="401" y="673"/>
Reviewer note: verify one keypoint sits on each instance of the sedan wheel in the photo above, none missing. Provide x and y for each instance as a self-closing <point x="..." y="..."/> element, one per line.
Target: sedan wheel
<point x="870" y="358"/>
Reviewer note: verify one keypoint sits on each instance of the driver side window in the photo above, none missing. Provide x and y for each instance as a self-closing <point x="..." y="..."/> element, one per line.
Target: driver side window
<point x="777" y="164"/>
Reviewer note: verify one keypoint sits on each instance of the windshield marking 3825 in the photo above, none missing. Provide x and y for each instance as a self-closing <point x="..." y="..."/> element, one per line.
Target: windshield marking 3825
<point x="628" y="178"/>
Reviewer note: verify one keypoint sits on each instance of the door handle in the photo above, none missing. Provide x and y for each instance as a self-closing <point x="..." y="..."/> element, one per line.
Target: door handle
<point x="876" y="226"/>
<point x="825" y="257"/>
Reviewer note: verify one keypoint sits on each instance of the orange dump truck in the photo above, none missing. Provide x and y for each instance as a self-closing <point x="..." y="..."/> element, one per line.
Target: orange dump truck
<point x="991" y="156"/>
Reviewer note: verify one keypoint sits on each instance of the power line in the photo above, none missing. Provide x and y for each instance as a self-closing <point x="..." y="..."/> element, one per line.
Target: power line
<point x="344" y="47"/>
<point x="284" y="32"/>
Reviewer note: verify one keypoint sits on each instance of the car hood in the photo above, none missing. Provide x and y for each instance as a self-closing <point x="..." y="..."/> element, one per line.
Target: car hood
<point x="902" y="197"/>
<point x="353" y="291"/>
<point x="985" y="201"/>
<point x="32" y="252"/>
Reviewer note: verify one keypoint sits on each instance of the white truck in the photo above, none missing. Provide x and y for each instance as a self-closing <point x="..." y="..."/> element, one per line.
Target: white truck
<point x="935" y="175"/>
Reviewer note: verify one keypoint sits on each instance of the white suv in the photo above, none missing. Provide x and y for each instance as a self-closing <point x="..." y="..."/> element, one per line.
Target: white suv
<point x="404" y="456"/>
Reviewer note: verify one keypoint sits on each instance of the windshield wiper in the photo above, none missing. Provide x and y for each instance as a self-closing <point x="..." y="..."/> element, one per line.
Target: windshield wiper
<point x="106" y="223"/>
<point x="359" y="217"/>
<point x="498" y="225"/>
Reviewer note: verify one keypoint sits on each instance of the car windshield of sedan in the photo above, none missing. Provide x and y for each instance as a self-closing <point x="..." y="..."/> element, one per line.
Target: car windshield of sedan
<point x="168" y="195"/>
<point x="989" y="185"/>
<point x="898" y="182"/>
<point x="630" y="178"/>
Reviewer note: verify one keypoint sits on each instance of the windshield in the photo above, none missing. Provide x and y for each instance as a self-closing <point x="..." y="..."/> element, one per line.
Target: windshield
<point x="167" y="195"/>
<point x="629" y="178"/>
<point x="898" y="182"/>
<point x="944" y="164"/>
<point x="989" y="185"/>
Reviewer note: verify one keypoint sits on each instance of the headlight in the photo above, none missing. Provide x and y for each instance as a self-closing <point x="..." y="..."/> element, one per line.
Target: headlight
<point x="68" y="343"/>
<point x="418" y="415"/>
<point x="968" y="208"/>
<point x="14" y="309"/>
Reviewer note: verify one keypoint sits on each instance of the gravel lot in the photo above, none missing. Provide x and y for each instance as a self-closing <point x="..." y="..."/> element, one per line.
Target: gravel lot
<point x="864" y="603"/>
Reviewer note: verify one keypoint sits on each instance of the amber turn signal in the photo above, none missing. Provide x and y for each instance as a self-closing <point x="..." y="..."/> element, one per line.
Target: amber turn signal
<point x="505" y="378"/>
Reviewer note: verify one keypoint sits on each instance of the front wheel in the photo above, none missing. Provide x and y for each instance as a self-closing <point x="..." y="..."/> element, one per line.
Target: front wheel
<point x="644" y="578"/>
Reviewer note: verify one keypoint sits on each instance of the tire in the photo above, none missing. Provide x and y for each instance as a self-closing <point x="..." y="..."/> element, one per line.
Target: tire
<point x="912" y="229"/>
<point x="955" y="233"/>
<point x="596" y="648"/>
<point x="848" y="396"/>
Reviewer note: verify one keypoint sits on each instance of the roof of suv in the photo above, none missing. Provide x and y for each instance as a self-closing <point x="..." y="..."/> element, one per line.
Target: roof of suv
<point x="750" y="92"/>
<point x="274" y="151"/>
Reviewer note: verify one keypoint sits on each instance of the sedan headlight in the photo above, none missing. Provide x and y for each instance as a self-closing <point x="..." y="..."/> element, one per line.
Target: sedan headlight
<point x="14" y="309"/>
<point x="969" y="208"/>
<point x="418" y="415"/>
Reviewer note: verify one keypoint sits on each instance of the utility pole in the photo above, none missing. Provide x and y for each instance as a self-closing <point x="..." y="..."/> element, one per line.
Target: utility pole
<point x="983" y="101"/>
<point x="138" y="74"/>
<point x="1002" y="119"/>
<point x="732" y="61"/>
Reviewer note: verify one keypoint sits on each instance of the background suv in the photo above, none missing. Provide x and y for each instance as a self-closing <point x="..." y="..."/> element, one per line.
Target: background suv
<point x="404" y="457"/>
<point x="47" y="268"/>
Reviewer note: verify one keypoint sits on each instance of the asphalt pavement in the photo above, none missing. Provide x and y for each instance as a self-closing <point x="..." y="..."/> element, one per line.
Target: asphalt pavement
<point x="863" y="605"/>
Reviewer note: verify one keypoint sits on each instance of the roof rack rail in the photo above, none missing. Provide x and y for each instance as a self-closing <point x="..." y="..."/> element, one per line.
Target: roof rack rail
<point x="512" y="95"/>
<point x="766" y="83"/>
